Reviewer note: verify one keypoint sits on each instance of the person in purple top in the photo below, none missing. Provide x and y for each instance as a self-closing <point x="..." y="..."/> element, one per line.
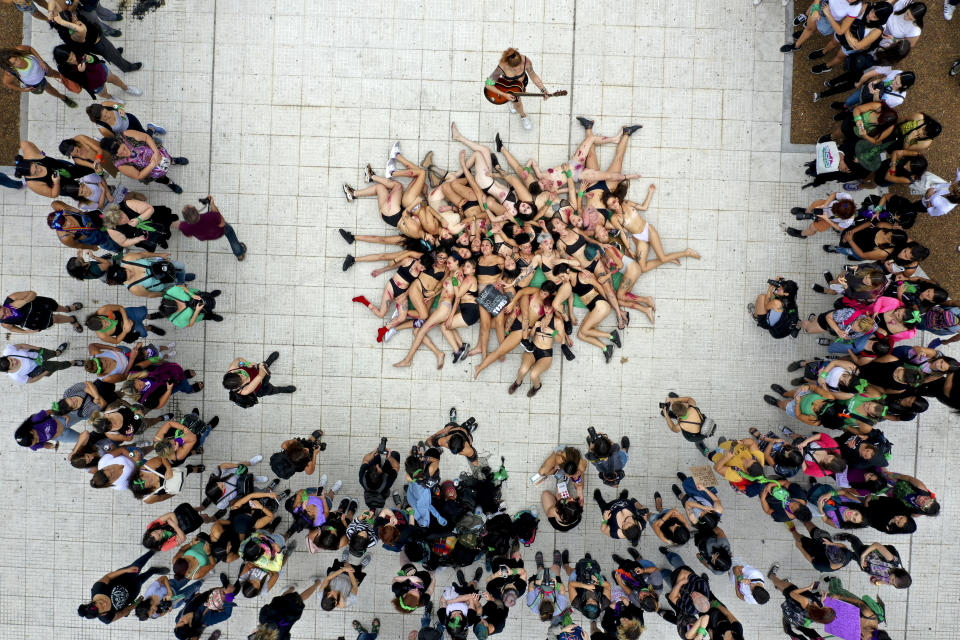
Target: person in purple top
<point x="46" y="430"/>
<point x="209" y="225"/>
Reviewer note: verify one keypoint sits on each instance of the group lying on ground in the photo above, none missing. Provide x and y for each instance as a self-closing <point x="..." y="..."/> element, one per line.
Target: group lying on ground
<point x="513" y="249"/>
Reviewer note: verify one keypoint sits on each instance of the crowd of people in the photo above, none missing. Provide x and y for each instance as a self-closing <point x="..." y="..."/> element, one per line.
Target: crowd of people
<point x="511" y="249"/>
<point x="514" y="250"/>
<point x="877" y="141"/>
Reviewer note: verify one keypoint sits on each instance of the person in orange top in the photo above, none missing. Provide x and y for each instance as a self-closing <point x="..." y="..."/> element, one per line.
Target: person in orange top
<point x="514" y="72"/>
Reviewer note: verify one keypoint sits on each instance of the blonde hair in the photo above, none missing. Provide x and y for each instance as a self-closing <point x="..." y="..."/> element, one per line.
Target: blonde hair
<point x="129" y="389"/>
<point x="864" y="323"/>
<point x="112" y="216"/>
<point x="264" y="632"/>
<point x="630" y="630"/>
<point x="163" y="448"/>
<point x="511" y="53"/>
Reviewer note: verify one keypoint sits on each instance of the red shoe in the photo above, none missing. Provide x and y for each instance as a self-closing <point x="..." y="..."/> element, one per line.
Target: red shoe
<point x="380" y="332"/>
<point x="362" y="300"/>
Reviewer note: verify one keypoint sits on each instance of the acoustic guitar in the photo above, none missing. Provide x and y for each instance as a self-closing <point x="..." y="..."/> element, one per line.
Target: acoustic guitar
<point x="517" y="90"/>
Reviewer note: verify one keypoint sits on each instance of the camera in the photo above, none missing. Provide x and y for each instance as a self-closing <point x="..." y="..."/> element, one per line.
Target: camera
<point x="382" y="449"/>
<point x="665" y="410"/>
<point x="592" y="435"/>
<point x="470" y="424"/>
<point x="205" y="201"/>
<point x="776" y="284"/>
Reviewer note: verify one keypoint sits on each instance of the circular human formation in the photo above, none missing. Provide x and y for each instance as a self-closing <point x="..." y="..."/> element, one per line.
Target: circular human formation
<point x="517" y="251"/>
<point x="514" y="250"/>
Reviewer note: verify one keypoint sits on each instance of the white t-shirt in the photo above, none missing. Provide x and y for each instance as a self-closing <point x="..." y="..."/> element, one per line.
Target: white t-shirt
<point x="841" y="9"/>
<point x="937" y="203"/>
<point x="123" y="482"/>
<point x="750" y="574"/>
<point x="840" y="222"/>
<point x="26" y="360"/>
<point x="898" y="27"/>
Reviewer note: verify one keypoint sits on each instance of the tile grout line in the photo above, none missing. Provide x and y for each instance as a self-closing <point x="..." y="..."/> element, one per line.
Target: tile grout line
<point x="213" y="82"/>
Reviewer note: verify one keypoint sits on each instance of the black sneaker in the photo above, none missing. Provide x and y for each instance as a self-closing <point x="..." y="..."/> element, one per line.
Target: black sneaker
<point x="453" y="414"/>
<point x="821" y="68"/>
<point x="615" y="338"/>
<point x="702" y="448"/>
<point x="462" y="578"/>
<point x="567" y="352"/>
<point x="829" y="248"/>
<point x="557" y="558"/>
<point x="348" y="262"/>
<point x="273" y="484"/>
<point x="527" y="345"/>
<point x="224" y="580"/>
<point x="770" y="400"/>
<point x="478" y="574"/>
<point x="538" y="559"/>
<point x="798" y="381"/>
<point x="796" y="365"/>
<point x="397" y="499"/>
<point x="778" y="389"/>
<point x="625" y="443"/>
<point x="819" y="288"/>
<point x="681" y="476"/>
<point x="565" y="557"/>
<point x="790" y="47"/>
<point x="62" y="347"/>
<point x="793" y="232"/>
<point x="274" y="355"/>
<point x="828" y="276"/>
<point x="816" y="54"/>
<point x="346" y="235"/>
<point x="836" y="105"/>
<point x="608" y="353"/>
<point x="629" y="130"/>
<point x="676" y="491"/>
<point x="586" y="123"/>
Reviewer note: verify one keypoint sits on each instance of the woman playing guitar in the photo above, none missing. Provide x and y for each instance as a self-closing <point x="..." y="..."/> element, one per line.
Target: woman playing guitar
<point x="511" y="76"/>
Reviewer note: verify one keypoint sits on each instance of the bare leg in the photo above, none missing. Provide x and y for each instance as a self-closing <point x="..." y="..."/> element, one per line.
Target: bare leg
<point x="539" y="368"/>
<point x="49" y="88"/>
<point x="392" y="240"/>
<point x="616" y="166"/>
<point x="306" y="595"/>
<point x="507" y="345"/>
<point x="414" y="190"/>
<point x="525" y="365"/>
<point x="438" y="317"/>
<point x="484" y="339"/>
<point x="114" y="80"/>
<point x="809" y="29"/>
<point x="379" y="257"/>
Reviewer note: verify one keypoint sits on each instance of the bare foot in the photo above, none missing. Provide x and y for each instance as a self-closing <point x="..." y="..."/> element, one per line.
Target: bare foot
<point x="474" y="352"/>
<point x="402" y="363"/>
<point x="649" y="313"/>
<point x="652" y="187"/>
<point x="692" y="254"/>
<point x="476" y="372"/>
<point x="454" y="132"/>
<point x="441" y="359"/>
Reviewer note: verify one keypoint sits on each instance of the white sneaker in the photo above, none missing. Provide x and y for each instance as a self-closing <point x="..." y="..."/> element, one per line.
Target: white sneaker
<point x="948" y="10"/>
<point x="391" y="167"/>
<point x="169" y="354"/>
<point x="395" y="150"/>
<point x="525" y="122"/>
<point x="171" y="345"/>
<point x="133" y="91"/>
<point x="257" y="459"/>
<point x="389" y="334"/>
<point x="756" y="3"/>
<point x="323" y="481"/>
<point x="261" y="479"/>
<point x="512" y="108"/>
<point x="336" y="486"/>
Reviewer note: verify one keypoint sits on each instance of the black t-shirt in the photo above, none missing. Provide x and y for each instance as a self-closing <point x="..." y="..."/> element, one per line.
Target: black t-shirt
<point x="122" y="591"/>
<point x="375" y="497"/>
<point x="719" y="624"/>
<point x="472" y="617"/>
<point x="495" y="614"/>
<point x="93" y="34"/>
<point x="496" y="586"/>
<point x="282" y="612"/>
<point x="778" y="513"/>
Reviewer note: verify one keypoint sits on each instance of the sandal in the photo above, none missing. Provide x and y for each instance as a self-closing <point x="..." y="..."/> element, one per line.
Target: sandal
<point x="359" y="628"/>
<point x="375" y="626"/>
<point x="197" y="387"/>
<point x="76" y="306"/>
<point x="76" y="324"/>
<point x="244" y="254"/>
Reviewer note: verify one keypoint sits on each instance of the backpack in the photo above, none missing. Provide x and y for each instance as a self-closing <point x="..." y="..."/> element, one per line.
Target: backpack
<point x="469" y="529"/>
<point x="244" y="402"/>
<point x="281" y="465"/>
<point x="793" y="612"/>
<point x="525" y="527"/>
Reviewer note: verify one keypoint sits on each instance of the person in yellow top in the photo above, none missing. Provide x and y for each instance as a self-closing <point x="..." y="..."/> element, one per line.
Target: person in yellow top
<point x="739" y="461"/>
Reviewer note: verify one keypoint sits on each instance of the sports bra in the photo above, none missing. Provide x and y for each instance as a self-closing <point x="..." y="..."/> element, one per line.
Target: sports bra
<point x="491" y="270"/>
<point x="405" y="275"/>
<point x="576" y="246"/>
<point x="581" y="288"/>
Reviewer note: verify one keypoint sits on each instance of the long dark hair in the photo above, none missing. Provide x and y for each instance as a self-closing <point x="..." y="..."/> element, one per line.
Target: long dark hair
<point x="917" y="10"/>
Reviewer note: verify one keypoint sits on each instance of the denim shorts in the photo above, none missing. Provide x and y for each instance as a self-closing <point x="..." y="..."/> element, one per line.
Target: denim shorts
<point x="823" y="25"/>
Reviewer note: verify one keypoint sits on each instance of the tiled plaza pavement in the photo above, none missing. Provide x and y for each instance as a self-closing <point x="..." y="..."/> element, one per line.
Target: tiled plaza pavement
<point x="276" y="104"/>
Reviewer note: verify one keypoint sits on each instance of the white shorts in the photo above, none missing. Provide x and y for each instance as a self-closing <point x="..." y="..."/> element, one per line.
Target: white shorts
<point x="643" y="236"/>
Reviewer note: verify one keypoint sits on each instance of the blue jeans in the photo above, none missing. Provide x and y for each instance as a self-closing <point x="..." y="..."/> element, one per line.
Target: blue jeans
<point x="183" y="590"/>
<point x="185" y="386"/>
<point x="137" y="315"/>
<point x="427" y="618"/>
<point x="10" y="183"/>
<point x="231" y="237"/>
<point x="691" y="489"/>
<point x="847" y="251"/>
<point x="855" y="98"/>
<point x="366" y="635"/>
<point x="675" y="563"/>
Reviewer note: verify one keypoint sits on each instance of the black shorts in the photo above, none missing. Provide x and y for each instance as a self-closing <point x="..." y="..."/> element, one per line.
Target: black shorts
<point x="470" y="312"/>
<point x="822" y="321"/>
<point x="561" y="527"/>
<point x="539" y="354"/>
